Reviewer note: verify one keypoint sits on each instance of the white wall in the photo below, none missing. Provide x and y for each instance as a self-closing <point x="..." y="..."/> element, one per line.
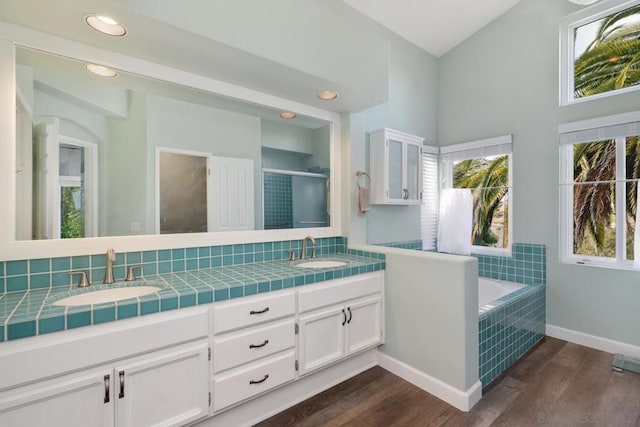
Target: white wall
<point x="502" y="80"/>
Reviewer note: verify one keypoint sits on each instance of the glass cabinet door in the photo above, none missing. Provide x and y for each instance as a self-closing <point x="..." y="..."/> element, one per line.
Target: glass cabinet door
<point x="396" y="190"/>
<point x="413" y="172"/>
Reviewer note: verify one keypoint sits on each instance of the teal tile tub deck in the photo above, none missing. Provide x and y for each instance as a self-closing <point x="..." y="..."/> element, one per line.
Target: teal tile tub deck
<point x="28" y="312"/>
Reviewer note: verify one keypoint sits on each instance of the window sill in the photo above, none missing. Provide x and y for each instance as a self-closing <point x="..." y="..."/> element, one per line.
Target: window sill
<point x="484" y="250"/>
<point x="600" y="263"/>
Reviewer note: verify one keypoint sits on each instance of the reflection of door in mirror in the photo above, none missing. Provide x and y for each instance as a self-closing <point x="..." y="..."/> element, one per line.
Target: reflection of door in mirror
<point x="309" y="197"/>
<point x="182" y="192"/>
<point x="24" y="175"/>
<point x="65" y="187"/>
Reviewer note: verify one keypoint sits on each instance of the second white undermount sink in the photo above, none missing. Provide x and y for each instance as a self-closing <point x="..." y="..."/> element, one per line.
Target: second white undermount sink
<point x="321" y="264"/>
<point x="106" y="295"/>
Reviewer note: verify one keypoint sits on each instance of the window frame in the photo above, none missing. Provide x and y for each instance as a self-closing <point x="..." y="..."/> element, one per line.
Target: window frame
<point x="566" y="184"/>
<point x="567" y="49"/>
<point x="430" y="197"/>
<point x="446" y="176"/>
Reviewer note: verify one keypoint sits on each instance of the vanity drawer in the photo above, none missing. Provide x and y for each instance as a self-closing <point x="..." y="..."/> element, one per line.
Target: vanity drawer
<point x="237" y="348"/>
<point x="252" y="380"/>
<point x="339" y="290"/>
<point x="231" y="315"/>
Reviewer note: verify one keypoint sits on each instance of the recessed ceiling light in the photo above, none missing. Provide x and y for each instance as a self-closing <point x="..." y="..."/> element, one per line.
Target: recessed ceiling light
<point x="287" y="115"/>
<point x="101" y="71"/>
<point x="105" y="25"/>
<point x="327" y="95"/>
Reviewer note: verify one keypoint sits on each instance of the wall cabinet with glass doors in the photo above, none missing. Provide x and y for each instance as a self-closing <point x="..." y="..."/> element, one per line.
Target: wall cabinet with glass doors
<point x="395" y="167"/>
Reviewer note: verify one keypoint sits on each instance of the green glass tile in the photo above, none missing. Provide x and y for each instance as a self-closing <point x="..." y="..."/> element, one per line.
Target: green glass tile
<point x="227" y="260"/>
<point x="205" y="297"/>
<point x="216" y="261"/>
<point x="238" y="259"/>
<point x="50" y="324"/>
<point x="227" y="250"/>
<point x="39" y="266"/>
<point x="216" y="250"/>
<point x="38" y="281"/>
<point x="164" y="255"/>
<point x="103" y="315"/>
<point x="127" y="309"/>
<point x="133" y="258"/>
<point x="259" y="256"/>
<point x="98" y="260"/>
<point x="191" y="264"/>
<point x="21" y="330"/>
<point x="204" y="251"/>
<point x="149" y="269"/>
<point x="149" y="256"/>
<point x="299" y="280"/>
<point x="17" y="283"/>
<point x="80" y="262"/>
<point x="1" y="268"/>
<point x="97" y="275"/>
<point x="187" y="300"/>
<point x="168" y="303"/>
<point x="60" y="279"/>
<point x="263" y="287"/>
<point x="147" y="307"/>
<point x="276" y="285"/>
<point x="177" y="254"/>
<point x="251" y="289"/>
<point x="78" y="319"/>
<point x="15" y="268"/>
<point x="191" y="253"/>
<point x="221" y="294"/>
<point x="177" y="266"/>
<point x="236" y="291"/>
<point x="204" y="263"/>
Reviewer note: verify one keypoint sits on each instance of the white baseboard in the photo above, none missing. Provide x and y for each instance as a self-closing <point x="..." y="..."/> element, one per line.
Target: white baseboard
<point x="463" y="400"/>
<point x="593" y="341"/>
<point x="276" y="401"/>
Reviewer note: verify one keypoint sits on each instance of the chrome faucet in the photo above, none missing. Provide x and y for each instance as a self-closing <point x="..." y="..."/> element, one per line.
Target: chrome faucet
<point x="108" y="271"/>
<point x="303" y="254"/>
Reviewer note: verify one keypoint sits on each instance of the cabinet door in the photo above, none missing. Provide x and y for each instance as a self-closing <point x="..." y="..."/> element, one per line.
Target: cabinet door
<point x="396" y="170"/>
<point x="364" y="324"/>
<point x="170" y="389"/>
<point x="321" y="338"/>
<point x="83" y="400"/>
<point x="414" y="173"/>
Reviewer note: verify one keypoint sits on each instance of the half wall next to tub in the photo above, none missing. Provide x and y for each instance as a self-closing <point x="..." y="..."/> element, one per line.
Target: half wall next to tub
<point x="431" y="317"/>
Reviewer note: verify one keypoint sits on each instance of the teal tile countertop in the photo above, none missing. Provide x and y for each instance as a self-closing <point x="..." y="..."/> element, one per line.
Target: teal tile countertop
<point x="29" y="313"/>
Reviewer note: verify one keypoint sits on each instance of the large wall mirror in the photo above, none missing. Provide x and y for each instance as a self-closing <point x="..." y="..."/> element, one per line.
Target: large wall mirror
<point x="129" y="155"/>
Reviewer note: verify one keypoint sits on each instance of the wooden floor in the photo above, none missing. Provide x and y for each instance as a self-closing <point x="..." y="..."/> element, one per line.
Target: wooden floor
<point x="555" y="384"/>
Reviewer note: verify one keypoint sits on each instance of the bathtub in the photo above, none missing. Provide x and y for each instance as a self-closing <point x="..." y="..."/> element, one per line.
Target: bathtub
<point x="511" y="321"/>
<point x="491" y="290"/>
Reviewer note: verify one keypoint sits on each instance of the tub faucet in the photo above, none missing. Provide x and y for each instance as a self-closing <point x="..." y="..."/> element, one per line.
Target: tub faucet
<point x="303" y="255"/>
<point x="108" y="271"/>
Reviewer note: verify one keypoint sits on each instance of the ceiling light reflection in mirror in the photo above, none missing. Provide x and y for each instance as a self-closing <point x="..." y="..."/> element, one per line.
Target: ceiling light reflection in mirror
<point x="133" y="156"/>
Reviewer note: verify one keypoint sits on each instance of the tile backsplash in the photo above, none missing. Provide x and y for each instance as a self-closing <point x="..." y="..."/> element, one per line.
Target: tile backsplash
<point x="21" y="275"/>
<point x="527" y="264"/>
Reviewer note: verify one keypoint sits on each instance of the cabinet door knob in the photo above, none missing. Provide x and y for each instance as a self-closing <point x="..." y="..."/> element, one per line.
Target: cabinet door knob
<point x="259" y="345"/>
<point x="121" y="375"/>
<point x="259" y="381"/>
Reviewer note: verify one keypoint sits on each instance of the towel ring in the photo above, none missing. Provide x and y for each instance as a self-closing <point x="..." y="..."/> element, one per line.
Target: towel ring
<point x="360" y="174"/>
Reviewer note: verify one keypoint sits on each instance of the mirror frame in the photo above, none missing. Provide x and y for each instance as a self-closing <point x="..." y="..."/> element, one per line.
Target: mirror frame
<point x="12" y="249"/>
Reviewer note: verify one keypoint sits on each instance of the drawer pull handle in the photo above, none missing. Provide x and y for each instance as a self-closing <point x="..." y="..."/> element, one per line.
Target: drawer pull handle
<point x="259" y="381"/>
<point x="350" y="314"/>
<point x="106" y="388"/>
<point x="121" y="375"/>
<point x="252" y="312"/>
<point x="344" y="317"/>
<point x="259" y="345"/>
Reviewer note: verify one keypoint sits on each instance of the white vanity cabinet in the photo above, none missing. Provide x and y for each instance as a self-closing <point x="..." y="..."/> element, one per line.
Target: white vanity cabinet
<point x="395" y="167"/>
<point x="146" y="371"/>
<point x="254" y="346"/>
<point x="338" y="319"/>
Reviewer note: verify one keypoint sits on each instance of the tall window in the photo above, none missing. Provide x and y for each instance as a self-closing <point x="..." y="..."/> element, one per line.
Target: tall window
<point x="429" y="208"/>
<point x="484" y="167"/>
<point x="600" y="167"/>
<point x="600" y="50"/>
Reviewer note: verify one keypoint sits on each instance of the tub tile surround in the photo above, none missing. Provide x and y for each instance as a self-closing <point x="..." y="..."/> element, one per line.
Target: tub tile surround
<point x="187" y="276"/>
<point x="508" y="328"/>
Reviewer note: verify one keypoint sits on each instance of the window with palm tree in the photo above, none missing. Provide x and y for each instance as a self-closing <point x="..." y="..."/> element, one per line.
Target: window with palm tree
<point x="484" y="167"/>
<point x="605" y="48"/>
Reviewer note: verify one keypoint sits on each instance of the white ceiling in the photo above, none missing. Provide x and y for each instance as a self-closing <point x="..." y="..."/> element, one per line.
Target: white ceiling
<point x="436" y="26"/>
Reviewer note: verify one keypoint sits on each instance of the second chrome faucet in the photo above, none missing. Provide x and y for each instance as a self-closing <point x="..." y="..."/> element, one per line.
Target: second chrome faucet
<point x="108" y="271"/>
<point x="303" y="253"/>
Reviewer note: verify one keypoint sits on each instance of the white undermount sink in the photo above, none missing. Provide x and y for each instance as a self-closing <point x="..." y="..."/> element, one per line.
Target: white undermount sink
<point x="321" y="264"/>
<point x="106" y="295"/>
